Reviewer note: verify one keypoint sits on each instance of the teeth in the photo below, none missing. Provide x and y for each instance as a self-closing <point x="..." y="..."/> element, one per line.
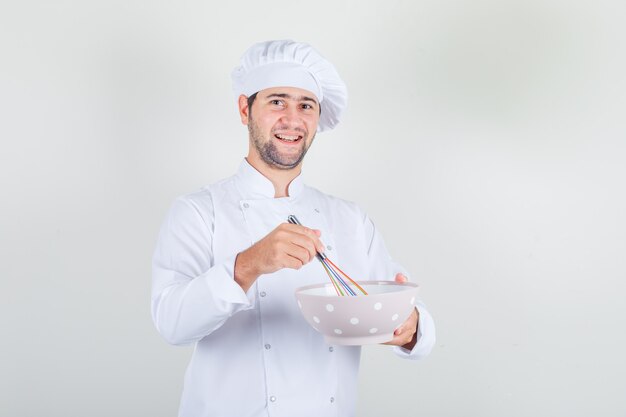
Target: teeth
<point x="288" y="138"/>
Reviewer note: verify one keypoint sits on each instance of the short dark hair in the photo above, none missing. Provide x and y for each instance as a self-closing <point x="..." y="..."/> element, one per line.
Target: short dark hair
<point x="253" y="97"/>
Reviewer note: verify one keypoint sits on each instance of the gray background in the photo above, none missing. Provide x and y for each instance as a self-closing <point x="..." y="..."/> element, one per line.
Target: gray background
<point x="486" y="138"/>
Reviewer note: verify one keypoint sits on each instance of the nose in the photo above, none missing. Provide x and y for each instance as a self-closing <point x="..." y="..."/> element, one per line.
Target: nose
<point x="291" y="117"/>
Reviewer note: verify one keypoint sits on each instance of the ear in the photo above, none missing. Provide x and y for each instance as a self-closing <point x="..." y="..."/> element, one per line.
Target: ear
<point x="243" y="109"/>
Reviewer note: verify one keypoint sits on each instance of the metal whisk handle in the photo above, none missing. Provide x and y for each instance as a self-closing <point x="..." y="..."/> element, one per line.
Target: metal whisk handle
<point x="294" y="220"/>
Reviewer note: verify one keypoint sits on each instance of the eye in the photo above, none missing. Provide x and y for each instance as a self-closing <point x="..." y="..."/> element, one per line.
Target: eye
<point x="307" y="106"/>
<point x="276" y="102"/>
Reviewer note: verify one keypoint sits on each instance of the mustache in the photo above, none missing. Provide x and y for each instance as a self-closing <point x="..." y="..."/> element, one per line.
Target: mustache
<point x="286" y="127"/>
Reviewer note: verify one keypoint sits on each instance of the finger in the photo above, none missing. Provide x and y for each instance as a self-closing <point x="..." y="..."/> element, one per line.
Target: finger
<point x="401" y="278"/>
<point x="319" y="246"/>
<point x="409" y="323"/>
<point x="303" y="254"/>
<point x="291" y="262"/>
<point x="308" y="240"/>
<point x="313" y="234"/>
<point x="402" y="339"/>
<point x="297" y="228"/>
<point x="396" y="341"/>
<point x="304" y="242"/>
<point x="401" y="336"/>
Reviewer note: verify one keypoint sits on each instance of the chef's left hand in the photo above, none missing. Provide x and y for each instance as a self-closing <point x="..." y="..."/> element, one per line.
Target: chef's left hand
<point x="406" y="334"/>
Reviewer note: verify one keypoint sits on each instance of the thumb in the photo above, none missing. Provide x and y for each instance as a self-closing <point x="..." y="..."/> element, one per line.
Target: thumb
<point x="401" y="278"/>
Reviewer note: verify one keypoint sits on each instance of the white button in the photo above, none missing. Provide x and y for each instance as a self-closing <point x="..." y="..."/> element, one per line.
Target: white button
<point x="273" y="399"/>
<point x="332" y="399"/>
<point x="330" y="349"/>
<point x="329" y="247"/>
<point x="262" y="294"/>
<point x="246" y="205"/>
<point x="316" y="210"/>
<point x="268" y="346"/>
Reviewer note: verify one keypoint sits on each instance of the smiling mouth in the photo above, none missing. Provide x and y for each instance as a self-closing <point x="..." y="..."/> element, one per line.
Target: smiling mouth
<point x="288" y="138"/>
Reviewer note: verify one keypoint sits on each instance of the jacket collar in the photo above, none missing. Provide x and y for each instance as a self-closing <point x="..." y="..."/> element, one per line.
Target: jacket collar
<point x="255" y="185"/>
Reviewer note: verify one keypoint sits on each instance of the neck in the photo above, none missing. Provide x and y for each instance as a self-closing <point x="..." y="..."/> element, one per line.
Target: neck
<point x="280" y="178"/>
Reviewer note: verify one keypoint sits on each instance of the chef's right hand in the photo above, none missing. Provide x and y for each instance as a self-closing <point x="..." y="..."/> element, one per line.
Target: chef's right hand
<point x="287" y="246"/>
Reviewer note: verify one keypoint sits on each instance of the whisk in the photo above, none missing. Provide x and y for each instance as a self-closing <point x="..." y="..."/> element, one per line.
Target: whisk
<point x="336" y="275"/>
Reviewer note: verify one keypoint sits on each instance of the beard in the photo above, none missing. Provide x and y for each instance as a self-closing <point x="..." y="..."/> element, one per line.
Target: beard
<point x="269" y="152"/>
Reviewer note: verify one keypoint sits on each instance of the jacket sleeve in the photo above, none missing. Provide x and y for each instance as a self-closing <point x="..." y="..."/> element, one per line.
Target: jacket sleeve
<point x="191" y="296"/>
<point x="381" y="265"/>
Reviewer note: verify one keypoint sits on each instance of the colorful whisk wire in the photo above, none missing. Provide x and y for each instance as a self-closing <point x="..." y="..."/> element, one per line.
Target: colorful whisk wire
<point x="337" y="276"/>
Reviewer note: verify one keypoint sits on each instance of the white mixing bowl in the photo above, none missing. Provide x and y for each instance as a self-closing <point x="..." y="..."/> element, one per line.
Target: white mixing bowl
<point x="357" y="320"/>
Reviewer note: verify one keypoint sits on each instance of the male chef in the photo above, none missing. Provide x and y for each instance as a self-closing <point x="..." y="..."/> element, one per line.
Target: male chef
<point x="227" y="262"/>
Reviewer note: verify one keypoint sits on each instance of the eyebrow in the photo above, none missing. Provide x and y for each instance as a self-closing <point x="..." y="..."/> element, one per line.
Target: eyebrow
<point x="289" y="96"/>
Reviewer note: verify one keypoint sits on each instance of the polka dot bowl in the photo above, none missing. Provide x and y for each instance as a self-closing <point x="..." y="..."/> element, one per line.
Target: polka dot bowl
<point x="358" y="320"/>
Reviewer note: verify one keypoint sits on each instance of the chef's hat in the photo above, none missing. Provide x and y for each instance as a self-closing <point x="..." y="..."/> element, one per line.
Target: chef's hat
<point x="286" y="63"/>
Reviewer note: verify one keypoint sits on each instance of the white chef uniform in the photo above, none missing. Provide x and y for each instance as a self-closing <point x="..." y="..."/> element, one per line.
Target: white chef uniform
<point x="255" y="355"/>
